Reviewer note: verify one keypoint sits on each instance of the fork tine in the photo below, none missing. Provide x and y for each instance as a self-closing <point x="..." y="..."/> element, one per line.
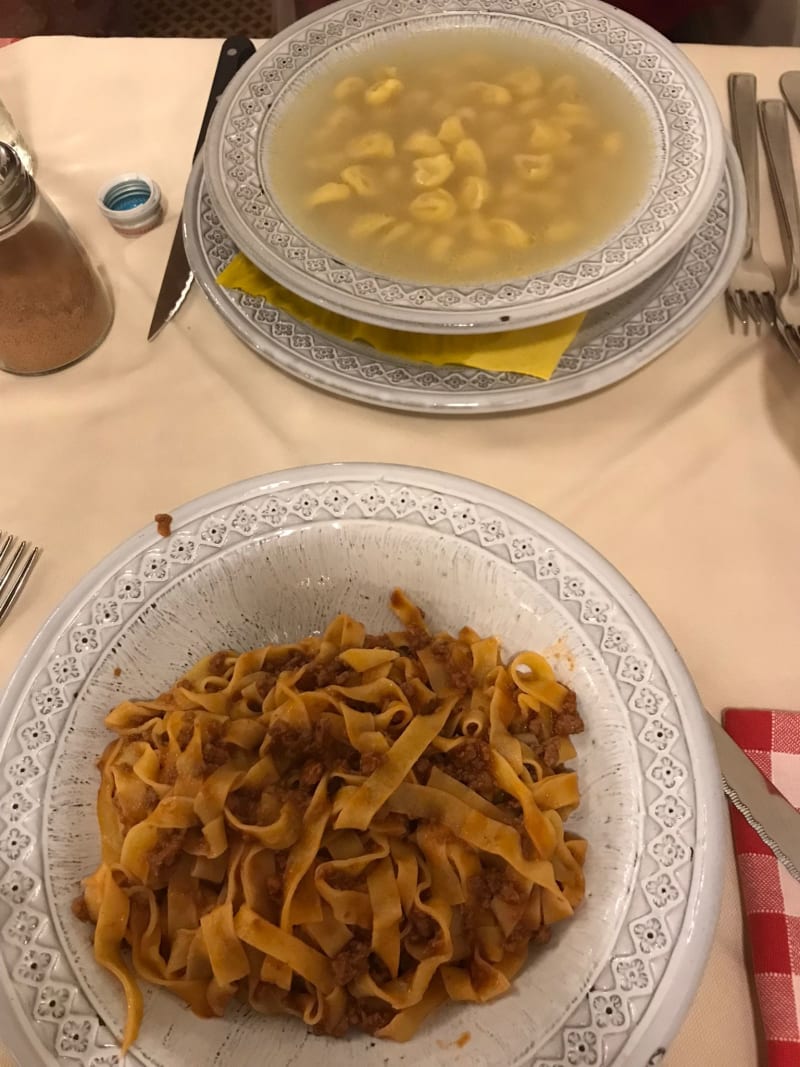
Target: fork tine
<point x="785" y="334"/>
<point x="5" y="578"/>
<point x="767" y="301"/>
<point x="753" y="305"/>
<point x="8" y="540"/>
<point x="736" y="310"/>
<point x="794" y="341"/>
<point x="730" y="310"/>
<point x="7" y="603"/>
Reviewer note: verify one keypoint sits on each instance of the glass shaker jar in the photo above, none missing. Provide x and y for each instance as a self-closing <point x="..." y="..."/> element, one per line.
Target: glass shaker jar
<point x="54" y="308"/>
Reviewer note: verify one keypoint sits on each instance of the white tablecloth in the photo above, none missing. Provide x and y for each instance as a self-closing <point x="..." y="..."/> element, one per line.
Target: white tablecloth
<point x="686" y="476"/>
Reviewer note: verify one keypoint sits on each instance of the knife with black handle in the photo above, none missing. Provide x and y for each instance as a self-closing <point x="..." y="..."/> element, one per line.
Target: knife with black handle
<point x="178" y="274"/>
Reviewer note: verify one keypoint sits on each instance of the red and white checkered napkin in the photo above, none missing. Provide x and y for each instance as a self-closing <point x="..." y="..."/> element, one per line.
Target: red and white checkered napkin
<point x="771" y="896"/>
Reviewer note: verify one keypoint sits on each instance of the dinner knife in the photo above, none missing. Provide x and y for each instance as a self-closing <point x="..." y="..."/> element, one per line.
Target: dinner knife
<point x="790" y="87"/>
<point x="178" y="275"/>
<point x="771" y="816"/>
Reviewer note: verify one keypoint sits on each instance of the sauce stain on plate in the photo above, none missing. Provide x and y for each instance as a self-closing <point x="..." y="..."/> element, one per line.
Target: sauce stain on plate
<point x="462" y="1040"/>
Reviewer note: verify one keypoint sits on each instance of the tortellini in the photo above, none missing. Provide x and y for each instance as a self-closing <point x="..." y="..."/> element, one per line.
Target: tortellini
<point x="474" y="192"/>
<point x="423" y="143"/>
<point x="369" y="224"/>
<point x="465" y="166"/>
<point x="525" y="82"/>
<point x="436" y="206"/>
<point x="383" y="91"/>
<point x="374" y="145"/>
<point x="468" y="154"/>
<point x="430" y="171"/>
<point x="329" y="193"/>
<point x="452" y="129"/>
<point x="361" y="179"/>
<point x="349" y="87"/>
<point x="534" y="168"/>
<point x="492" y="95"/>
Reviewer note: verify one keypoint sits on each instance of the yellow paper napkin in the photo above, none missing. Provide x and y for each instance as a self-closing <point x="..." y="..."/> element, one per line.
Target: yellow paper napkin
<point x="535" y="350"/>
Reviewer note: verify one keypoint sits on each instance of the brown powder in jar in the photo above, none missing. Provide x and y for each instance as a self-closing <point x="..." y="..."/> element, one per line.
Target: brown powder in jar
<point x="53" y="308"/>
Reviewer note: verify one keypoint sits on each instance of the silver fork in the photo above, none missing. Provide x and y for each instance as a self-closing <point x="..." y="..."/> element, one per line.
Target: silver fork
<point x="774" y="121"/>
<point x="750" y="296"/>
<point x="17" y="560"/>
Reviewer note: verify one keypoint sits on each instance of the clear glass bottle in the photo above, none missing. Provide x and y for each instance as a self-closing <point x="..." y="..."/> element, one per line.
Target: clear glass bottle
<point x="54" y="308"/>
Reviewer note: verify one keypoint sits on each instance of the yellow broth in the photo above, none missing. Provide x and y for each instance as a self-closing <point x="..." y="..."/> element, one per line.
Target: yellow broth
<point x="460" y="156"/>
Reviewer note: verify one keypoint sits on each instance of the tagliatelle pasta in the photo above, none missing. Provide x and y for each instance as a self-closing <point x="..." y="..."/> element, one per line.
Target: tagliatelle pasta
<point x="351" y="828"/>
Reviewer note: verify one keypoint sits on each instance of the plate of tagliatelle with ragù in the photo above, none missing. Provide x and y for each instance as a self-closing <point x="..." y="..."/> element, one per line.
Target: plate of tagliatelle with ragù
<point x="353" y="760"/>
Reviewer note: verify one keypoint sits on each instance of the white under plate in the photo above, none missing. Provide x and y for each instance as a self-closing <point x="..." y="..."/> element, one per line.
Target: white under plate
<point x="274" y="558"/>
<point x="614" y="341"/>
<point x="685" y="127"/>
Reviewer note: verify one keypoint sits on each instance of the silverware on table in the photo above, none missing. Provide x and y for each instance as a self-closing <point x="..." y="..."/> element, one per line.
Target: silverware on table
<point x="790" y="87"/>
<point x="178" y="274"/>
<point x="17" y="560"/>
<point x="771" y="816"/>
<point x="750" y="296"/>
<point x="773" y="118"/>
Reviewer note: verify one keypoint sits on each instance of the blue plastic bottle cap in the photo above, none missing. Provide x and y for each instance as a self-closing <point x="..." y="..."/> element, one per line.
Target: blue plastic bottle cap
<point x="131" y="203"/>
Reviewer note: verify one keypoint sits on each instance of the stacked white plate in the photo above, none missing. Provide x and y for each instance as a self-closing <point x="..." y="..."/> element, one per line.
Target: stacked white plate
<point x="644" y="287"/>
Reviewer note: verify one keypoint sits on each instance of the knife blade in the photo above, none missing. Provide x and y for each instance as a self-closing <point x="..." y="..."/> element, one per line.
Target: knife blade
<point x="790" y="87"/>
<point x="178" y="276"/>
<point x="768" y="812"/>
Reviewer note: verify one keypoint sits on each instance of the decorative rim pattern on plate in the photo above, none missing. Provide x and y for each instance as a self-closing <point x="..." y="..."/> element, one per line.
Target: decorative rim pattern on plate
<point x="636" y="1001"/>
<point x="614" y="341"/>
<point x="686" y="129"/>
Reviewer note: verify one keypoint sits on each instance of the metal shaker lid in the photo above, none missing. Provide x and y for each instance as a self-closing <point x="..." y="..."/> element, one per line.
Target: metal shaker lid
<point x="17" y="188"/>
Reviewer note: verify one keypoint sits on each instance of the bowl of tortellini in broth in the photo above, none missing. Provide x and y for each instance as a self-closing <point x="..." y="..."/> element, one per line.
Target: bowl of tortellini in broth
<point x="443" y="169"/>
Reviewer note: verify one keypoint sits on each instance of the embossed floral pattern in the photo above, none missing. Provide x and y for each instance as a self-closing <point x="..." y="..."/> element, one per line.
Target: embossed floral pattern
<point x="658" y="734"/>
<point x="53" y="1002"/>
<point x="16" y="887"/>
<point x="273" y="511"/>
<point x="632" y="973"/>
<point x="670" y="811"/>
<point x="668" y="850"/>
<point x="668" y="772"/>
<point x="32" y="968"/>
<point x="84" y="639"/>
<point x="632" y="669"/>
<point x="581" y="1047"/>
<point x="106" y="612"/>
<point x="49" y="699"/>
<point x="616" y="640"/>
<point x="129" y="588"/>
<point x="650" y="935"/>
<point x="23" y="770"/>
<point x="22" y="926"/>
<point x="36" y="735"/>
<point x="65" y="669"/>
<point x="15" y="806"/>
<point x="608" y="1010"/>
<point x="662" y="890"/>
<point x="13" y="843"/>
<point x="213" y="532"/>
<point x="74" y="1035"/>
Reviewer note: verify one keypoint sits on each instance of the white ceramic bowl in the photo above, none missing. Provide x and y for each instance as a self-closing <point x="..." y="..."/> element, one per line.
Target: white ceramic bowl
<point x="688" y="163"/>
<point x="274" y="558"/>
